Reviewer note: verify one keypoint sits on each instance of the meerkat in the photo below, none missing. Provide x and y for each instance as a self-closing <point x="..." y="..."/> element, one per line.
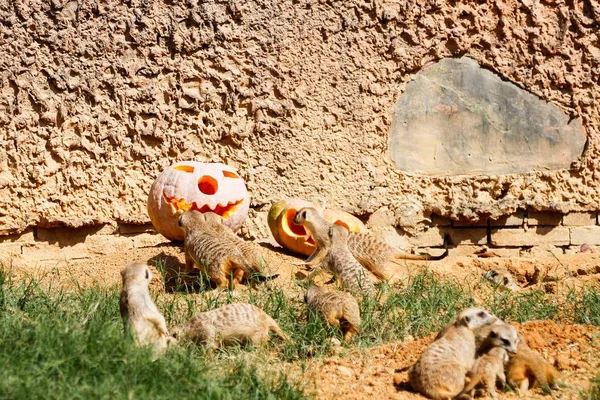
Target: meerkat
<point x="501" y="340"/>
<point x="487" y="369"/>
<point x="140" y="315"/>
<point x="340" y="262"/>
<point x="501" y="278"/>
<point x="482" y="333"/>
<point x="371" y="252"/>
<point x="250" y="251"/>
<point x="229" y="324"/>
<point x="440" y="371"/>
<point x="212" y="253"/>
<point x="339" y="309"/>
<point x="528" y="369"/>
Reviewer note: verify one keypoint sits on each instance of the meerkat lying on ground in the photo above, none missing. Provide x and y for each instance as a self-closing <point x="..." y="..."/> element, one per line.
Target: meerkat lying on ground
<point x="340" y="262"/>
<point x="528" y="369"/>
<point x="371" y="252"/>
<point x="213" y="252"/>
<point x="140" y="316"/>
<point x="500" y="277"/>
<point x="339" y="309"/>
<point x="440" y="371"/>
<point x="232" y="323"/>
<point x="489" y="367"/>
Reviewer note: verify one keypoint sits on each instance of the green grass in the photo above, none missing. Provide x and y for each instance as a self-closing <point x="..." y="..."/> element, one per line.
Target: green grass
<point x="594" y="392"/>
<point x="58" y="344"/>
<point x="70" y="344"/>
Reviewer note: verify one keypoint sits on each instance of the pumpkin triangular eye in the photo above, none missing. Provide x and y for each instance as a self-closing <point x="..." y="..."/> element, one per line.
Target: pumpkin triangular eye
<point x="184" y="168"/>
<point x="229" y="174"/>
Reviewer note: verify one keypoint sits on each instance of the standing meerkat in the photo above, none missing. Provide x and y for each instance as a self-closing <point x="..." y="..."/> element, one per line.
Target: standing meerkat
<point x="440" y="371"/>
<point x="229" y="324"/>
<point x="340" y="262"/>
<point x="140" y="315"/>
<point x="489" y="367"/>
<point x="339" y="309"/>
<point x="370" y="251"/>
<point x="212" y="252"/>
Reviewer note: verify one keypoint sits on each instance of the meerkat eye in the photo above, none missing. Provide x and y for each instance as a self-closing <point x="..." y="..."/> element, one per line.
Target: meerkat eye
<point x="467" y="319"/>
<point x="493" y="334"/>
<point x="505" y="280"/>
<point x="481" y="314"/>
<point x="505" y="342"/>
<point x="303" y="214"/>
<point x="147" y="274"/>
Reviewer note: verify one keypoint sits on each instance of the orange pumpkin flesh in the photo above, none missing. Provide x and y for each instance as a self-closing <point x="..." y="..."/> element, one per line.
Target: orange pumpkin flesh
<point x="294" y="237"/>
<point x="208" y="185"/>
<point x="224" y="211"/>
<point x="185" y="168"/>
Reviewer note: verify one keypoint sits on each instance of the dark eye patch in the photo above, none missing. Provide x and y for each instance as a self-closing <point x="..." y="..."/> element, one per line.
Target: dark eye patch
<point x="505" y="280"/>
<point x="481" y="314"/>
<point x="505" y="342"/>
<point x="147" y="274"/>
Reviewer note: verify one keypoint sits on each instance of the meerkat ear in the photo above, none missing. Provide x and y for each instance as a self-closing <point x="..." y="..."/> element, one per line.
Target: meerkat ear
<point x="180" y="220"/>
<point x="493" y="334"/>
<point x="147" y="274"/>
<point x="331" y="231"/>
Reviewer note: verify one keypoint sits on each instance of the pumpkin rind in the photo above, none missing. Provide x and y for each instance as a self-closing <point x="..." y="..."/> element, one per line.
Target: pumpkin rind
<point x="192" y="185"/>
<point x="294" y="237"/>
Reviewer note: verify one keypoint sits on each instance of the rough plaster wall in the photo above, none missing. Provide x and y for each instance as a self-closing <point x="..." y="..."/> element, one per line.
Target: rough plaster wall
<point x="96" y="99"/>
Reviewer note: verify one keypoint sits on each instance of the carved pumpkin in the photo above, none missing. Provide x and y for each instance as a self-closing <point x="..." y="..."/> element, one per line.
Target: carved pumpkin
<point x="294" y="237"/>
<point x="192" y="185"/>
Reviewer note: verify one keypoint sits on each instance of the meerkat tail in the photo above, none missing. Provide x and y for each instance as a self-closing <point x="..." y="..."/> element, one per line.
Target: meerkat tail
<point x="421" y="256"/>
<point x="425" y="256"/>
<point x="263" y="278"/>
<point x="273" y="327"/>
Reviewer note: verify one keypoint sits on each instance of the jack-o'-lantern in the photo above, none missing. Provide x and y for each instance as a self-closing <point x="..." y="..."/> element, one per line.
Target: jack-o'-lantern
<point x="294" y="237"/>
<point x="192" y="185"/>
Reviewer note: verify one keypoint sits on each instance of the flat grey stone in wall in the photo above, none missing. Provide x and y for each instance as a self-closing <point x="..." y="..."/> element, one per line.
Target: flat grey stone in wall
<point x="456" y="118"/>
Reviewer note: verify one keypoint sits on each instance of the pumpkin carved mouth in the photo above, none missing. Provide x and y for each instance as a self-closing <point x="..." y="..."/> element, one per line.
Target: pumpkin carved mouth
<point x="224" y="211"/>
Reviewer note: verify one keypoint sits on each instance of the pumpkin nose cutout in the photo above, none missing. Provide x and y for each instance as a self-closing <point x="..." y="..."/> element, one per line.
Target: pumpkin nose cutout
<point x="208" y="185"/>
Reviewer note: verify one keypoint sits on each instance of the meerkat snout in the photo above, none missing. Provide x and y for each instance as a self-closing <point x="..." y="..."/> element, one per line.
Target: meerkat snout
<point x="299" y="217"/>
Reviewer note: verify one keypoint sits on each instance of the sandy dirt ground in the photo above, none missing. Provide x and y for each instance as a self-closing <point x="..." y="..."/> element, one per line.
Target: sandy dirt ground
<point x="381" y="372"/>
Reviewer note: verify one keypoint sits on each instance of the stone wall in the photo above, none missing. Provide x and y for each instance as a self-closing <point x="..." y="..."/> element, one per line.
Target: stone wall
<point x="98" y="97"/>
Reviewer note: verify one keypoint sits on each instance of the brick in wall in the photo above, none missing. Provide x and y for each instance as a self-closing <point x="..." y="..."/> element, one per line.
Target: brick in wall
<point x="542" y="235"/>
<point x="585" y="234"/>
